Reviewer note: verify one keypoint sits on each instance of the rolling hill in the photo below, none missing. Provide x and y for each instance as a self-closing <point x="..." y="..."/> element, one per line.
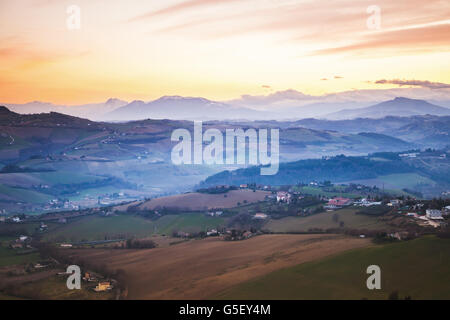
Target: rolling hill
<point x="401" y="107"/>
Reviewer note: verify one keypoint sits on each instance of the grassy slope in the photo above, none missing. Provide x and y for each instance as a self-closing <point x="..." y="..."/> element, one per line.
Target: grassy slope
<point x="324" y="221"/>
<point x="23" y="195"/>
<point x="397" y="181"/>
<point x="10" y="257"/>
<point x="418" y="268"/>
<point x="96" y="228"/>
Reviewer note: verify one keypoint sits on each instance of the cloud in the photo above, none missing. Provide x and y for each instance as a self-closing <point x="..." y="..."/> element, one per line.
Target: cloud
<point x="180" y="7"/>
<point x="416" y="39"/>
<point x="323" y="79"/>
<point x="417" y="83"/>
<point x="338" y="77"/>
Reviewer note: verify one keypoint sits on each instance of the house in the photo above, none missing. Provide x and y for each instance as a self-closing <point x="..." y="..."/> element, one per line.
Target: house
<point x="243" y="186"/>
<point x="260" y="216"/>
<point x="182" y="234"/>
<point x="16" y="219"/>
<point x="446" y="211"/>
<point x="412" y="214"/>
<point x="219" y="213"/>
<point x="399" y="235"/>
<point x="283" y="196"/>
<point x="366" y="203"/>
<point x="394" y="203"/>
<point x="65" y="245"/>
<point x="340" y="202"/>
<point x="103" y="286"/>
<point x="213" y="232"/>
<point x="434" y="214"/>
<point x="247" y="234"/>
<point x="23" y="238"/>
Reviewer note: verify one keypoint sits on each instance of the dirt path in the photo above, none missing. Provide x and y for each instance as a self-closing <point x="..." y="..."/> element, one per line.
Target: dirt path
<point x="200" y="269"/>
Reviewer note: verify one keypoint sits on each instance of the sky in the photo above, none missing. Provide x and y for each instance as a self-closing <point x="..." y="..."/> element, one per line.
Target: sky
<point x="218" y="49"/>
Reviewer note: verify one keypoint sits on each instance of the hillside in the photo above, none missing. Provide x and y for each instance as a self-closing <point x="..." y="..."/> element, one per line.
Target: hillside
<point x="401" y="107"/>
<point x="343" y="276"/>
<point x="426" y="172"/>
<point x="182" y="108"/>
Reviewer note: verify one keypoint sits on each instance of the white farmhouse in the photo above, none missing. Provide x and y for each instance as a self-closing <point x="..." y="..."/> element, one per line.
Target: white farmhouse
<point x="434" y="214"/>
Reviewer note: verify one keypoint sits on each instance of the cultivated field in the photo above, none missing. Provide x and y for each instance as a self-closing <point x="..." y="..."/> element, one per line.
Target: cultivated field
<point x="418" y="268"/>
<point x="325" y="221"/>
<point x="201" y="269"/>
<point x="127" y="226"/>
<point x="202" y="201"/>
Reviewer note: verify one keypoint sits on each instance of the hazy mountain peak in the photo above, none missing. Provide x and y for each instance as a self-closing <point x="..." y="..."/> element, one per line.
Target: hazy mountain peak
<point x="400" y="107"/>
<point x="115" y="101"/>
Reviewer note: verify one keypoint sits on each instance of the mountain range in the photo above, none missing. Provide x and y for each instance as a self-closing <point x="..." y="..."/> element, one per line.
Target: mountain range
<point x="192" y="108"/>
<point x="401" y="107"/>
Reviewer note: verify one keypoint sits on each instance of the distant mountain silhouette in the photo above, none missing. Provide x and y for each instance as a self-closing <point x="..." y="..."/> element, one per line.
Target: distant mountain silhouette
<point x="402" y="107"/>
<point x="182" y="108"/>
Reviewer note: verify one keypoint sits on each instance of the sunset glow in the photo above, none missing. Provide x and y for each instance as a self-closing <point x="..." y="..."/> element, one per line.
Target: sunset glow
<point x="215" y="48"/>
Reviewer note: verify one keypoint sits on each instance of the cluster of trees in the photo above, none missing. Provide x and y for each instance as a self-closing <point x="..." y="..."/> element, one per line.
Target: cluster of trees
<point x="217" y="189"/>
<point x="140" y="244"/>
<point x="339" y="168"/>
<point x="374" y="210"/>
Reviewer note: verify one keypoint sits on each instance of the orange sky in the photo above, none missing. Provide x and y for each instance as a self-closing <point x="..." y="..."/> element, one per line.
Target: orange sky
<point x="218" y="49"/>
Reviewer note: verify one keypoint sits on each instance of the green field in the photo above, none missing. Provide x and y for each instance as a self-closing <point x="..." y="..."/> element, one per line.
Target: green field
<point x="10" y="257"/>
<point x="325" y="221"/>
<point x="65" y="177"/>
<point x="315" y="191"/>
<point x="120" y="226"/>
<point x="23" y="195"/>
<point x="55" y="288"/>
<point x="397" y="181"/>
<point x="418" y="268"/>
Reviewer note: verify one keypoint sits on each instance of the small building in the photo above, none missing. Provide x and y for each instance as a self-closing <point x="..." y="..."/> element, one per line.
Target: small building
<point x="243" y="186"/>
<point x="283" y="196"/>
<point x="412" y="214"/>
<point x="434" y="214"/>
<point x="247" y="234"/>
<point x="16" y="219"/>
<point x="340" y="202"/>
<point x="65" y="245"/>
<point x="103" y="286"/>
<point x="446" y="211"/>
<point x="394" y="203"/>
<point x="212" y="232"/>
<point x="23" y="238"/>
<point x="260" y="216"/>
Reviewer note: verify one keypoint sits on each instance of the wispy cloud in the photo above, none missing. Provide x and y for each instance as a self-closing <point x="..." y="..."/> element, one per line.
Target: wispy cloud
<point x="180" y="7"/>
<point x="416" y="83"/>
<point x="417" y="39"/>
